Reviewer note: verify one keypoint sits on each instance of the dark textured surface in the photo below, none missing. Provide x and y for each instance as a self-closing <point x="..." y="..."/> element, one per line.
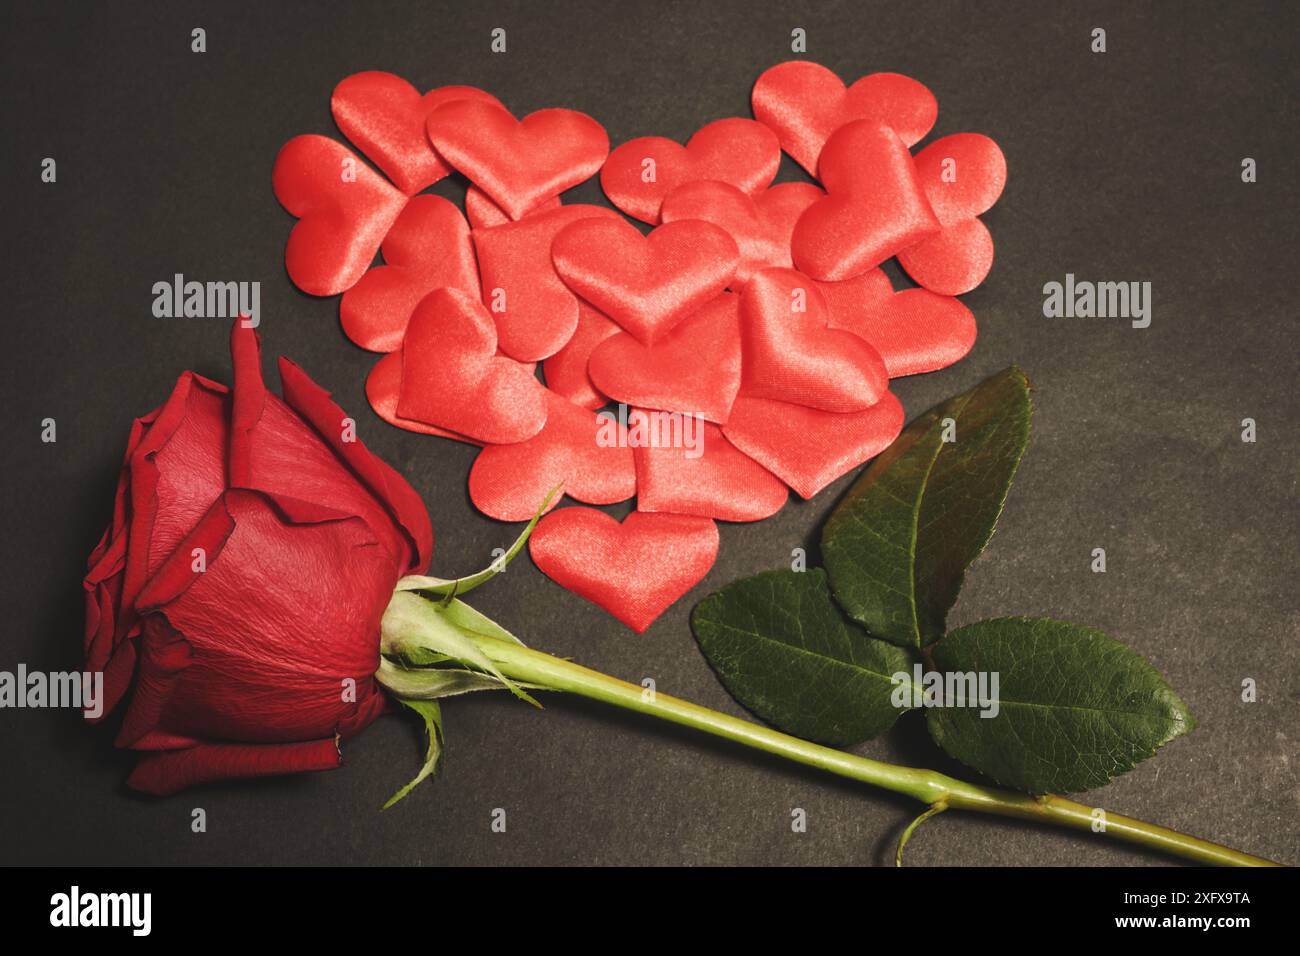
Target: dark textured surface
<point x="1123" y="166"/>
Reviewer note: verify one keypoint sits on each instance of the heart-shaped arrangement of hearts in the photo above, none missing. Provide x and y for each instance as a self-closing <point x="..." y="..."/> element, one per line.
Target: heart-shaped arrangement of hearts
<point x="738" y="345"/>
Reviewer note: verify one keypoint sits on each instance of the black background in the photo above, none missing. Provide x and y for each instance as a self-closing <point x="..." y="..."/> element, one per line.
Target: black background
<point x="1123" y="166"/>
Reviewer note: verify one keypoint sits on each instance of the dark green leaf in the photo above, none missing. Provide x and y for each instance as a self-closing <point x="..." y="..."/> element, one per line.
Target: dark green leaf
<point x="784" y="650"/>
<point x="898" y="545"/>
<point x="1076" y="708"/>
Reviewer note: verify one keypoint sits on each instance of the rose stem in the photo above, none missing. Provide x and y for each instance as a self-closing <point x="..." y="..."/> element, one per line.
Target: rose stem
<point x="543" y="670"/>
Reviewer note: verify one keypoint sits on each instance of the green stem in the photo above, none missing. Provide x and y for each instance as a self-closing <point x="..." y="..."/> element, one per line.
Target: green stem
<point x="911" y="828"/>
<point x="543" y="670"/>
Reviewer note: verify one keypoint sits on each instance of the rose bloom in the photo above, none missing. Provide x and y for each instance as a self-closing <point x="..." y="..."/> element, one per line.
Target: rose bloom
<point x="238" y="591"/>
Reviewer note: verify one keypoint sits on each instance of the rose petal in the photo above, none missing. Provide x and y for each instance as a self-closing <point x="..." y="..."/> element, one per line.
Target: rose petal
<point x="171" y="771"/>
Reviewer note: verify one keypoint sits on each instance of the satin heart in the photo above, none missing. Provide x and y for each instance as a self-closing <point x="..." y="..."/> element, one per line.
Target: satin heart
<point x="790" y="355"/>
<point x="586" y="452"/>
<point x="807" y="448"/>
<point x="483" y="213"/>
<point x="384" y="386"/>
<point x="519" y="164"/>
<point x="535" y="312"/>
<point x="874" y="208"/>
<point x="761" y="226"/>
<point x="804" y="103"/>
<point x="344" y="210"/>
<point x="647" y="284"/>
<point x="963" y="175"/>
<point x="914" y="330"/>
<point x="640" y="173"/>
<point x="634" y="570"/>
<point x="695" y="368"/>
<point x="566" y="371"/>
<point x="427" y="248"/>
<point x="384" y="116"/>
<point x="452" y="378"/>
<point x="953" y="262"/>
<point x="708" y="476"/>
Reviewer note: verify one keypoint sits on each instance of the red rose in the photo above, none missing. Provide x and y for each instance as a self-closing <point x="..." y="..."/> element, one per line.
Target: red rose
<point x="253" y="548"/>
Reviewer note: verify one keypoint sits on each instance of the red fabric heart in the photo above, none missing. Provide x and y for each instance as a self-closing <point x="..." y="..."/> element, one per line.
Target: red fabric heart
<point x="519" y="164"/>
<point x="384" y="386"/>
<point x="694" y="368"/>
<point x="790" y="354"/>
<point x="427" y="248"/>
<point x="739" y="152"/>
<point x="804" y="103"/>
<point x="780" y="396"/>
<point x="874" y="209"/>
<point x="953" y="262"/>
<point x="963" y="175"/>
<point x="647" y="284"/>
<point x="566" y="371"/>
<point x="341" y="222"/>
<point x="540" y="313"/>
<point x="761" y="226"/>
<point x="452" y="378"/>
<point x="509" y="482"/>
<point x="384" y="116"/>
<point x="713" y="479"/>
<point x="634" y="570"/>
<point x="483" y="213"/>
<point x="807" y="448"/>
<point x="914" y="330"/>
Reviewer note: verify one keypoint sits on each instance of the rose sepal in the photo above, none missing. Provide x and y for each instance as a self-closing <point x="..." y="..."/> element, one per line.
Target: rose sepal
<point x="450" y="587"/>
